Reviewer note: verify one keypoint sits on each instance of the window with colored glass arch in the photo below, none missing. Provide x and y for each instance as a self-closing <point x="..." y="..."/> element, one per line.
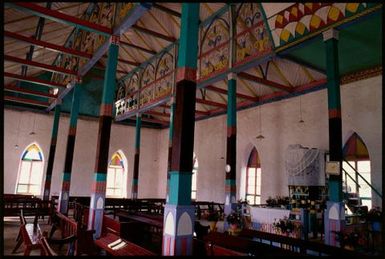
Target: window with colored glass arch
<point x="30" y="171"/>
<point x="194" y="178"/>
<point x="253" y="179"/>
<point x="357" y="159"/>
<point x="115" y="176"/>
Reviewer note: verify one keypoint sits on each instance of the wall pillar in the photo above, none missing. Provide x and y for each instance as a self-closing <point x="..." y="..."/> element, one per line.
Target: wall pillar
<point x="231" y="145"/>
<point x="170" y="132"/>
<point x="334" y="213"/>
<point x="52" y="150"/>
<point x="136" y="158"/>
<point x="178" y="213"/>
<point x="98" y="191"/>
<point x="65" y="190"/>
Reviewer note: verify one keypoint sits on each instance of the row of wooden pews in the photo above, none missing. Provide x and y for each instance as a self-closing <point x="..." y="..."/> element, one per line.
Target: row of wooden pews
<point x="30" y="204"/>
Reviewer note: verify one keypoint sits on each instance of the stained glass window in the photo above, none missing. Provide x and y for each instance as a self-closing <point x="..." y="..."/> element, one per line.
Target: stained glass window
<point x="115" y="176"/>
<point x="194" y="178"/>
<point x="253" y="179"/>
<point x="30" y="171"/>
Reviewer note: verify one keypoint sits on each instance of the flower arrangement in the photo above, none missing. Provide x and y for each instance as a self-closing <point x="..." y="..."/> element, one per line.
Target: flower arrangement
<point x="285" y="225"/>
<point x="278" y="201"/>
<point x="235" y="218"/>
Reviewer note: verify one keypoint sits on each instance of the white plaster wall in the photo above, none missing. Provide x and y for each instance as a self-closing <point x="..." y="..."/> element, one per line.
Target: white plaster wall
<point x="122" y="137"/>
<point x="361" y="112"/>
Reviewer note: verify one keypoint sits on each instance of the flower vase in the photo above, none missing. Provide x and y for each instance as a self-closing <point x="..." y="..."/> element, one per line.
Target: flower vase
<point x="213" y="226"/>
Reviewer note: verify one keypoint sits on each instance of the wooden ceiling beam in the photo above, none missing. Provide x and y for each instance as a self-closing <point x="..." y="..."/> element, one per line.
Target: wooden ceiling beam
<point x="26" y="101"/>
<point x="40" y="65"/>
<point x="46" y="45"/>
<point x="12" y="88"/>
<point x="211" y="103"/>
<point x="137" y="47"/>
<point x="33" y="80"/>
<point x="153" y="33"/>
<point x="166" y="10"/>
<point x="60" y="17"/>
<point x="265" y="82"/>
<point x="223" y="91"/>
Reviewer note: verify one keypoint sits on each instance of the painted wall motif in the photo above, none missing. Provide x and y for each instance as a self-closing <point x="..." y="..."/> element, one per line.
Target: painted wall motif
<point x="252" y="36"/>
<point x="301" y="19"/>
<point x="214" y="47"/>
<point x="127" y="98"/>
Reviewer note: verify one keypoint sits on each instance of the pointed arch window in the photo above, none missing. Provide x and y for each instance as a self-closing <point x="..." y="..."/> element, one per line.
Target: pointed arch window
<point x="194" y="178"/>
<point x="356" y="157"/>
<point x="253" y="178"/>
<point x="30" y="171"/>
<point x="115" y="176"/>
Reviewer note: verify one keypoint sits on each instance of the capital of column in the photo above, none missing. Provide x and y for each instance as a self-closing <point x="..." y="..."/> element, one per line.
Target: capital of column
<point x="330" y="34"/>
<point x="115" y="39"/>
<point x="231" y="75"/>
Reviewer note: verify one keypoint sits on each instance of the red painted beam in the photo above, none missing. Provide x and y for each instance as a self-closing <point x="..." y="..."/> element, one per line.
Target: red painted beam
<point x="211" y="103"/>
<point x="47" y="45"/>
<point x="239" y="95"/>
<point x="155" y="120"/>
<point x="26" y="101"/>
<point x="155" y="113"/>
<point x="16" y="89"/>
<point x="196" y="111"/>
<point x="62" y="18"/>
<point x="153" y="33"/>
<point x="166" y="10"/>
<point x="40" y="65"/>
<point x="33" y="80"/>
<point x="266" y="82"/>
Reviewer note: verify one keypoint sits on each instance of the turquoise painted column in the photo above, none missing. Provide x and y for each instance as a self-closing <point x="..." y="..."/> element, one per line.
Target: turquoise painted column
<point x="65" y="191"/>
<point x="98" y="191"/>
<point x="231" y="141"/>
<point x="231" y="146"/>
<point x="178" y="213"/>
<point x="137" y="155"/>
<point x="52" y="150"/>
<point x="335" y="213"/>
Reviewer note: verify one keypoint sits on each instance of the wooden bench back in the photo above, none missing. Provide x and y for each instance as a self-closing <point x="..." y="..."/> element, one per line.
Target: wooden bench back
<point x="48" y="251"/>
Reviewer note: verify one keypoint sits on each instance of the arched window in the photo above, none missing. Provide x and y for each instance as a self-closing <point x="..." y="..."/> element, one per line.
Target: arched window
<point x="194" y="178"/>
<point x="115" y="176"/>
<point x="253" y="178"/>
<point x="357" y="156"/>
<point x="30" y="171"/>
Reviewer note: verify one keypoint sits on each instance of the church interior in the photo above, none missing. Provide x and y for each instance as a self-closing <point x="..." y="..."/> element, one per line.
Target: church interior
<point x="207" y="129"/>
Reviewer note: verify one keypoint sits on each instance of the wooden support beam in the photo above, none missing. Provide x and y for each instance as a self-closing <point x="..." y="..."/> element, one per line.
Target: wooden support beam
<point x="46" y="45"/>
<point x="223" y="91"/>
<point x="166" y="10"/>
<point x="153" y="33"/>
<point x="33" y="80"/>
<point x="13" y="88"/>
<point x="265" y="82"/>
<point x="155" y="113"/>
<point x="40" y="65"/>
<point x="60" y="17"/>
<point x="25" y="101"/>
<point x="196" y="111"/>
<point x="123" y="43"/>
<point x="211" y="103"/>
<point x="155" y="120"/>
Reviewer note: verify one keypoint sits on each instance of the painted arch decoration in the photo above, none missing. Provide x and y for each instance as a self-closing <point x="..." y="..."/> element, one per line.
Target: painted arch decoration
<point x="32" y="153"/>
<point x="302" y="19"/>
<point x="126" y="95"/>
<point x="214" y="47"/>
<point x="355" y="148"/>
<point x="252" y="35"/>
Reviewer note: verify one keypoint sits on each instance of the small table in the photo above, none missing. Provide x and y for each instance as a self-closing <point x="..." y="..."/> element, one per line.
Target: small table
<point x="128" y="249"/>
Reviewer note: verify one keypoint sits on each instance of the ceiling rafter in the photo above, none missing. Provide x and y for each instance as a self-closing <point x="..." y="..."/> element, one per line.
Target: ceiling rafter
<point x="13" y="88"/>
<point x="60" y="17"/>
<point x="239" y="95"/>
<point x="279" y="71"/>
<point x="25" y="101"/>
<point x="156" y="38"/>
<point x="138" y="47"/>
<point x="40" y="65"/>
<point x="265" y="82"/>
<point x="167" y="10"/>
<point x="153" y="33"/>
<point x="34" y="80"/>
<point x="211" y="103"/>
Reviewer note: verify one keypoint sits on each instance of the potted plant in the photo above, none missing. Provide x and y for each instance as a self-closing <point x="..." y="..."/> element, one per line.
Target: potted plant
<point x="234" y="220"/>
<point x="285" y="225"/>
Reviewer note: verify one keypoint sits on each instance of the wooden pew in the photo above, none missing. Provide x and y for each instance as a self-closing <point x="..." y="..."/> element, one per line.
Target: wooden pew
<point x="46" y="248"/>
<point x="30" y="205"/>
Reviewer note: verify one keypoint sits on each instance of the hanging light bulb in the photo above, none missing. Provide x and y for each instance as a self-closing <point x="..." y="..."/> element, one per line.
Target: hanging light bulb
<point x="33" y="130"/>
<point x="260" y="136"/>
<point x="300" y="111"/>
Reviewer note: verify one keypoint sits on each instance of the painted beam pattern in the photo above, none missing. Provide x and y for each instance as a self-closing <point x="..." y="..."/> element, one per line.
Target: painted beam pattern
<point x="135" y="179"/>
<point x="52" y="150"/>
<point x="178" y="212"/>
<point x="98" y="192"/>
<point x="65" y="190"/>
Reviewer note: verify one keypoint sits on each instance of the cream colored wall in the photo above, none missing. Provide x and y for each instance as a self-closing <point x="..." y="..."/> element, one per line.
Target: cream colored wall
<point x="122" y="137"/>
<point x="361" y="112"/>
